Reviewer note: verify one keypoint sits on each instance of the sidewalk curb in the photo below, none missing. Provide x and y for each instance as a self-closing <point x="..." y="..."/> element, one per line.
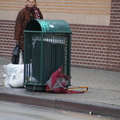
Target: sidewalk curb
<point x="105" y="110"/>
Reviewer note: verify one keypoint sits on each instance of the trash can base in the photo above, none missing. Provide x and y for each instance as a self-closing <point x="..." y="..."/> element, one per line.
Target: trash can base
<point x="35" y="88"/>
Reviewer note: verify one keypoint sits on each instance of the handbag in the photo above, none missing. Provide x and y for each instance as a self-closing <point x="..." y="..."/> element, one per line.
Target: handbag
<point x="15" y="54"/>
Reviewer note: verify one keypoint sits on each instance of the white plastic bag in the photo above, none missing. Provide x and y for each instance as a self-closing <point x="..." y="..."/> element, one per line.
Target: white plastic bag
<point x="14" y="75"/>
<point x="20" y="58"/>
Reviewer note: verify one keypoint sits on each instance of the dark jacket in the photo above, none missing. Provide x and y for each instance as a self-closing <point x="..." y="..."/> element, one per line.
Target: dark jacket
<point x="23" y="17"/>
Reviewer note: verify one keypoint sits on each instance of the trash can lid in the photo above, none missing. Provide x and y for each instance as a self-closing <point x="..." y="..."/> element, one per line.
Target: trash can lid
<point x="51" y="26"/>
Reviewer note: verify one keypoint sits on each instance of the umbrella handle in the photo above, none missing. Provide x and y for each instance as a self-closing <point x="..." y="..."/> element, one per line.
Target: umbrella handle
<point x="78" y="88"/>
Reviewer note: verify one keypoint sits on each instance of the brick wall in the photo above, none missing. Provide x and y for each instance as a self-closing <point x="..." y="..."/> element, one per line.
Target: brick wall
<point x="98" y="46"/>
<point x="93" y="46"/>
<point x="7" y="41"/>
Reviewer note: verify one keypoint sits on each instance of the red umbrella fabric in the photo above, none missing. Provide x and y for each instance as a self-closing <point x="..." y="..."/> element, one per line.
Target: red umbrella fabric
<point x="58" y="83"/>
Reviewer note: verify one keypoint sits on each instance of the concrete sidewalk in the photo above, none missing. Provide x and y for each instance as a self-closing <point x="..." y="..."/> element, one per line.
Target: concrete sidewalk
<point x="103" y="96"/>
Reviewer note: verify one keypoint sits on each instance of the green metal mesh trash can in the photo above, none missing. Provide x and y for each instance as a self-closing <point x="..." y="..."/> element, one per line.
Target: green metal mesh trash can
<point x="47" y="46"/>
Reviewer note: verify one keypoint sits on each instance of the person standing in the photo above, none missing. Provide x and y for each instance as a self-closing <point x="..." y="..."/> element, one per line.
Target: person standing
<point x="29" y="12"/>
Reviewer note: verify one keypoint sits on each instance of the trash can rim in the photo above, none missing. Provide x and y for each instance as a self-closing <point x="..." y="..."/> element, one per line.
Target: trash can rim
<point x="48" y="26"/>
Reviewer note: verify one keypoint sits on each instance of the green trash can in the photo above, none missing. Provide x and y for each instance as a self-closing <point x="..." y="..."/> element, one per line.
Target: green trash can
<point x="47" y="46"/>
